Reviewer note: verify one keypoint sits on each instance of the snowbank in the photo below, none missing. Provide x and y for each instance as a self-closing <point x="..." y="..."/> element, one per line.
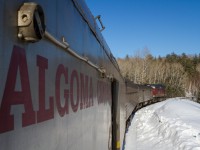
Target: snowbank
<point x="173" y="124"/>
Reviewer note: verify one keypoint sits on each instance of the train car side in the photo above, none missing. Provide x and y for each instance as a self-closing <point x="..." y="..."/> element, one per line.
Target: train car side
<point x="50" y="98"/>
<point x="136" y="94"/>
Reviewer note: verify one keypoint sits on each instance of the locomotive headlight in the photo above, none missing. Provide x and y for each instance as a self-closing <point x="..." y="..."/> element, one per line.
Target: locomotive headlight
<point x="31" y="22"/>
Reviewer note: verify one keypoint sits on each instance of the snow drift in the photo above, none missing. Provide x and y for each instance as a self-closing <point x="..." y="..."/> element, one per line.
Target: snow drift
<point x="173" y="124"/>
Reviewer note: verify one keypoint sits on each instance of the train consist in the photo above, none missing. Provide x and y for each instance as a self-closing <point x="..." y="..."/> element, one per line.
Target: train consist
<point x="139" y="96"/>
<point x="61" y="87"/>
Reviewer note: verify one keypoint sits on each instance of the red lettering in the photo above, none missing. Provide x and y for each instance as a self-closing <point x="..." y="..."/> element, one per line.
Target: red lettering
<point x="74" y="76"/>
<point x="13" y="97"/>
<point x="62" y="110"/>
<point x="84" y="91"/>
<point x="91" y="93"/>
<point x="18" y="69"/>
<point x="43" y="114"/>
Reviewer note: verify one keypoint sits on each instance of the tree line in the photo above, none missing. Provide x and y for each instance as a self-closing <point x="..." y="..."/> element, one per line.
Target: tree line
<point x="179" y="73"/>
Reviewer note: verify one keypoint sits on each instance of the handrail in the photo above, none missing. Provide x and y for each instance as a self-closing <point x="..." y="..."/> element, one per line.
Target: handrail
<point x="101" y="23"/>
<point x="63" y="44"/>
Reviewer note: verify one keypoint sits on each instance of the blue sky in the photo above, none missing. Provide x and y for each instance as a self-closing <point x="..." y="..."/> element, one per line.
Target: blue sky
<point x="161" y="26"/>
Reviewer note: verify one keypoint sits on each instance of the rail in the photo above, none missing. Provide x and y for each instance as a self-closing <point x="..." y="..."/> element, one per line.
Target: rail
<point x="63" y="44"/>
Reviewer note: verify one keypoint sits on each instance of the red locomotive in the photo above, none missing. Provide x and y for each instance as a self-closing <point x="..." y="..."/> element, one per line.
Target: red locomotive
<point x="158" y="90"/>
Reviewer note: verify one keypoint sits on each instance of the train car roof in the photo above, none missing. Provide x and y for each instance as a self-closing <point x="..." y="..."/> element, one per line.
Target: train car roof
<point x="90" y="20"/>
<point x="156" y="85"/>
<point x="133" y="85"/>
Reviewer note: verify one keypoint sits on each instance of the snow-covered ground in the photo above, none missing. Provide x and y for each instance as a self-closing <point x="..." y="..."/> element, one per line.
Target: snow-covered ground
<point x="173" y="124"/>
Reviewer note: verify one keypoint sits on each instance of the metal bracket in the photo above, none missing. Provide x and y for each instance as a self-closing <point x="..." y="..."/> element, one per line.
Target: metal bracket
<point x="31" y="23"/>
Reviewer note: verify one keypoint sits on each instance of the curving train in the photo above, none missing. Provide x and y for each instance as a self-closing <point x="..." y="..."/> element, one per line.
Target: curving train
<point x="61" y="87"/>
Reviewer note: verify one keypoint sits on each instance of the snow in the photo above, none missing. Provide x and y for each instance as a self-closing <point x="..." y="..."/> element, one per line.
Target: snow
<point x="173" y="124"/>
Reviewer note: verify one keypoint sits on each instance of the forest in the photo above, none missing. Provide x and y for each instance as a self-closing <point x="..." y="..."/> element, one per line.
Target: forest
<point x="179" y="73"/>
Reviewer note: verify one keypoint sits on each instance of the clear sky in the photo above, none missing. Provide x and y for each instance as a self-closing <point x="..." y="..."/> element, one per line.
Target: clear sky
<point x="161" y="26"/>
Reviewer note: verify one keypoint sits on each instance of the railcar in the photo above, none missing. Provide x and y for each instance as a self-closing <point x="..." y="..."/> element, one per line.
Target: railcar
<point x="61" y="87"/>
<point x="60" y="84"/>
<point x="136" y="94"/>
